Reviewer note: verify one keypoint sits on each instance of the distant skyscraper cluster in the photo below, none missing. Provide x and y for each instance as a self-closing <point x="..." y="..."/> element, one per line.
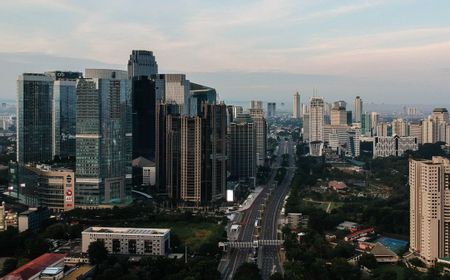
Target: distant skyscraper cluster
<point x="173" y="130"/>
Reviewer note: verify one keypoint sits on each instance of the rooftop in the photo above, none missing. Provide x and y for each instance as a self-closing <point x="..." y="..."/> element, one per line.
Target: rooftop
<point x="34" y="267"/>
<point x="137" y="231"/>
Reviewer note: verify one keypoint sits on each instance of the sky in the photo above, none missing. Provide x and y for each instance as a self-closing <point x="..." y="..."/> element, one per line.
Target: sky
<point x="387" y="51"/>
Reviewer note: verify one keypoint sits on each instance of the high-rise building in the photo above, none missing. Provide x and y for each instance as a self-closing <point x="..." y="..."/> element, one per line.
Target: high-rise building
<point x="296" y="106"/>
<point x="256" y="104"/>
<point x="415" y="130"/>
<point x="167" y="148"/>
<point x="34" y="118"/>
<point x="191" y="160"/>
<point x="173" y="88"/>
<point x="358" y="109"/>
<point x="271" y="109"/>
<point x="400" y="127"/>
<point x="237" y="110"/>
<point x="243" y="148"/>
<point x="103" y="160"/>
<point x="429" y="182"/>
<point x="366" y="125"/>
<point x="200" y="94"/>
<point x="261" y="135"/>
<point x="440" y="122"/>
<point x="382" y="129"/>
<point x="142" y="63"/>
<point x="214" y="150"/>
<point x="428" y="131"/>
<point x="64" y="113"/>
<point x="192" y="153"/>
<point x="316" y="122"/>
<point x="306" y="124"/>
<point x="143" y="99"/>
<point x="338" y="115"/>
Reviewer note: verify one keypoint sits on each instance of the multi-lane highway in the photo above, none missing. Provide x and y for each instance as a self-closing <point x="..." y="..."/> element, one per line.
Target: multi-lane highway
<point x="238" y="256"/>
<point x="268" y="256"/>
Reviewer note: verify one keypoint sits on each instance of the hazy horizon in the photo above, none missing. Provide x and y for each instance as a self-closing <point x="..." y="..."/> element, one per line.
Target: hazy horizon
<point x="393" y="52"/>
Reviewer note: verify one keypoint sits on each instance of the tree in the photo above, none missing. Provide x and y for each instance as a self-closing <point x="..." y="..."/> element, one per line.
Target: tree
<point x="97" y="252"/>
<point x="9" y="265"/>
<point x="368" y="260"/>
<point x="276" y="276"/>
<point x="247" y="271"/>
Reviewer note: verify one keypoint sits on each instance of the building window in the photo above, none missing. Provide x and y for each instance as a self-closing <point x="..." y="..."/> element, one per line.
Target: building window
<point x="132" y="246"/>
<point x="148" y="246"/>
<point x="116" y="246"/>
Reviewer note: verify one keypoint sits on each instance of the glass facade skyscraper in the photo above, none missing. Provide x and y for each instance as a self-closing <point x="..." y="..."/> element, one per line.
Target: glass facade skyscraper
<point x="103" y="140"/>
<point x="64" y="112"/>
<point x="34" y="118"/>
<point x="142" y="63"/>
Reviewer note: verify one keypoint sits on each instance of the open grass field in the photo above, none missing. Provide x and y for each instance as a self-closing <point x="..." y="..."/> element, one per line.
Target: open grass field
<point x="326" y="206"/>
<point x="192" y="234"/>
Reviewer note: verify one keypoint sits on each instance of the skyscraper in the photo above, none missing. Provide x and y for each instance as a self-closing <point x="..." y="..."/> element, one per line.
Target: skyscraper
<point x="338" y="114"/>
<point x="142" y="63"/>
<point x="191" y="160"/>
<point x="243" y="148"/>
<point x="271" y="109"/>
<point x="429" y="208"/>
<point x="296" y="106"/>
<point x="103" y="160"/>
<point x="400" y="127"/>
<point x="34" y="118"/>
<point x="192" y="153"/>
<point x="316" y="122"/>
<point x="172" y="88"/>
<point x="199" y="94"/>
<point x="143" y="117"/>
<point x="256" y="104"/>
<point x="64" y="112"/>
<point x="358" y="109"/>
<point x="261" y="135"/>
<point x="214" y="150"/>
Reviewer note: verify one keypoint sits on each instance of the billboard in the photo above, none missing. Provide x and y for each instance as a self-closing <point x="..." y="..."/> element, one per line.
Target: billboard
<point x="230" y="195"/>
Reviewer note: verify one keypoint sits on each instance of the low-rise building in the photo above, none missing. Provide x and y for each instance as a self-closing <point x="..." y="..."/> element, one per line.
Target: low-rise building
<point x="32" y="219"/>
<point x="33" y="269"/>
<point x="49" y="186"/>
<point x="337" y="186"/>
<point x="346" y="225"/>
<point x="128" y="241"/>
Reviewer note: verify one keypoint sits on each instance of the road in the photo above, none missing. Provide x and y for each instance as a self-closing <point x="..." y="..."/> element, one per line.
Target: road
<point x="268" y="255"/>
<point x="238" y="256"/>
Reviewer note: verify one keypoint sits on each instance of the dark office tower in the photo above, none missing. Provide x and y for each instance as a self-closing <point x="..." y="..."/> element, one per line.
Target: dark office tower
<point x="64" y="113"/>
<point x="34" y="118"/>
<point x="214" y="151"/>
<point x="103" y="156"/>
<point x="243" y="148"/>
<point x="144" y="117"/>
<point x="167" y="134"/>
<point x="271" y="109"/>
<point x="142" y="63"/>
<point x="199" y="94"/>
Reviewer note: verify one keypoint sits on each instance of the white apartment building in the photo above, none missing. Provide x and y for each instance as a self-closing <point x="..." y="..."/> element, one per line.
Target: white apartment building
<point x="316" y="122"/>
<point x="430" y="208"/>
<point x="128" y="241"/>
<point x="393" y="145"/>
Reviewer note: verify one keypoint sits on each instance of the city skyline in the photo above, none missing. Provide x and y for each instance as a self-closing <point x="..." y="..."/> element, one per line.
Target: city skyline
<point x="338" y="47"/>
